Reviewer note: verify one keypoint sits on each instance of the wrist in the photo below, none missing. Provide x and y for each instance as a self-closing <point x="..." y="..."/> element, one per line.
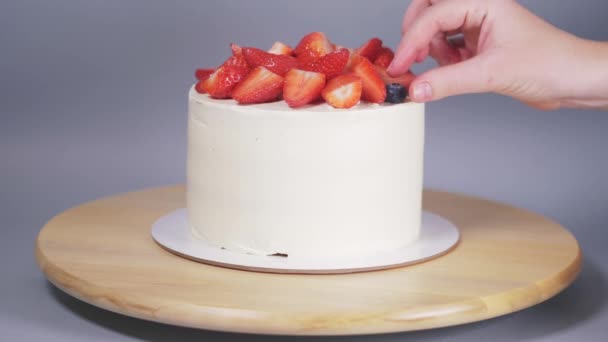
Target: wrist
<point x="588" y="86"/>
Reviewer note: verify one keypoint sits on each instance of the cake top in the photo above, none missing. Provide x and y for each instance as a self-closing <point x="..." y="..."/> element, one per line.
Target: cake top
<point x="316" y="74"/>
<point x="283" y="106"/>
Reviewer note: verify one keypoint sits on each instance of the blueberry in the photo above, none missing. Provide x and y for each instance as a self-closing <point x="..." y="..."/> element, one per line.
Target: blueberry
<point x="395" y="93"/>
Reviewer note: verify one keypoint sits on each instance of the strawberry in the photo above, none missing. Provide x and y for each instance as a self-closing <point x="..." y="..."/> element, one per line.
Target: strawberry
<point x="405" y="79"/>
<point x="370" y="49"/>
<point x="220" y="83"/>
<point x="343" y="91"/>
<point x="313" y="46"/>
<point x="236" y="49"/>
<point x="384" y="57"/>
<point x="279" y="64"/>
<point x="200" y="87"/>
<point x="374" y="89"/>
<point x="331" y="64"/>
<point x="261" y="85"/>
<point x="302" y="87"/>
<point x="279" y="48"/>
<point x="203" y="74"/>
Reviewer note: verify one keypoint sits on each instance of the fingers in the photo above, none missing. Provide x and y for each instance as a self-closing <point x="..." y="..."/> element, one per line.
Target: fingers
<point x="469" y="76"/>
<point x="443" y="16"/>
<point x="442" y="52"/>
<point x="413" y="11"/>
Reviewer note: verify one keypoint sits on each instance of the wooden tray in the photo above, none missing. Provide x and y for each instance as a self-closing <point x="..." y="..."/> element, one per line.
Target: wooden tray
<point x="507" y="259"/>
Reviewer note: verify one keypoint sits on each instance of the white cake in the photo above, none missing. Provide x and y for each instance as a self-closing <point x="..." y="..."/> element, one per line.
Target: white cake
<point x="308" y="182"/>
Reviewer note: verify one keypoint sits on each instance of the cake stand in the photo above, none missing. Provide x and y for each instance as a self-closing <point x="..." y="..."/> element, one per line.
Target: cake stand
<point x="507" y="259"/>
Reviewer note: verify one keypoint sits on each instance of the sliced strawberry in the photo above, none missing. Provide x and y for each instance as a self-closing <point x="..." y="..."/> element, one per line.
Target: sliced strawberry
<point x="220" y="83"/>
<point x="370" y="49"/>
<point x="384" y="58"/>
<point x="236" y="49"/>
<point x="343" y="91"/>
<point x="261" y="85"/>
<point x="302" y="87"/>
<point x="237" y="60"/>
<point x="331" y="64"/>
<point x="313" y="46"/>
<point x="374" y="89"/>
<point x="199" y="87"/>
<point x="405" y="79"/>
<point x="279" y="64"/>
<point x="279" y="48"/>
<point x="203" y="74"/>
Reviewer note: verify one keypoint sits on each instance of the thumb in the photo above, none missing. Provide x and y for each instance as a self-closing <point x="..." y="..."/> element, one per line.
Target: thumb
<point x="460" y="78"/>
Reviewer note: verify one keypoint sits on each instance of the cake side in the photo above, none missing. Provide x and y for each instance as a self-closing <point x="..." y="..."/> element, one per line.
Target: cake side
<point x="315" y="181"/>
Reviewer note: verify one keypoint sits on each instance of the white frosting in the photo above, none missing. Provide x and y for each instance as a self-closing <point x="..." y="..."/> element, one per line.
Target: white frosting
<point x="319" y="181"/>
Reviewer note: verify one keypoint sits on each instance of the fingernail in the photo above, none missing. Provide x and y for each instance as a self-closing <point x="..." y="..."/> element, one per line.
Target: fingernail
<point x="422" y="92"/>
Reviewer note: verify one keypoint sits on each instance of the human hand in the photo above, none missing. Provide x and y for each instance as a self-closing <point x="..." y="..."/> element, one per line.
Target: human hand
<point x="506" y="50"/>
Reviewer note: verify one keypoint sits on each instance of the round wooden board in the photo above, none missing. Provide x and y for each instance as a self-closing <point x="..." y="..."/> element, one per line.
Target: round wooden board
<point x="507" y="259"/>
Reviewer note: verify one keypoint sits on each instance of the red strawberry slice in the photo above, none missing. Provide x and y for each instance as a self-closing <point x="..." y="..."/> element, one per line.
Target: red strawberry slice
<point x="374" y="89"/>
<point x="279" y="48"/>
<point x="220" y="83"/>
<point x="343" y="91"/>
<point x="313" y="46"/>
<point x="279" y="64"/>
<point x="302" y="87"/>
<point x="236" y="49"/>
<point x="203" y="74"/>
<point x="370" y="49"/>
<point x="261" y="85"/>
<point x="200" y="87"/>
<point x="331" y="64"/>
<point x="384" y="58"/>
<point x="405" y="79"/>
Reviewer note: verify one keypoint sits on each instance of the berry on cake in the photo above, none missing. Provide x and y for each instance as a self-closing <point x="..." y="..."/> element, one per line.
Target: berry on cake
<point x="306" y="74"/>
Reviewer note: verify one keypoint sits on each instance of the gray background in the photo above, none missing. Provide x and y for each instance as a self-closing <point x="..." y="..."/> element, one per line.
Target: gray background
<point x="93" y="102"/>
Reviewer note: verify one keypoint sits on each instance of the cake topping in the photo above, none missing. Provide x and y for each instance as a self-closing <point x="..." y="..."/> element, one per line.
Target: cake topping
<point x="370" y="49"/>
<point x="332" y="64"/>
<point x="226" y="77"/>
<point x="343" y="91"/>
<point x="203" y="74"/>
<point x="302" y="87"/>
<point x="395" y="93"/>
<point x="373" y="86"/>
<point x="279" y="48"/>
<point x="384" y="58"/>
<point x="261" y="85"/>
<point x="279" y="64"/>
<point x="315" y="69"/>
<point x="314" y="45"/>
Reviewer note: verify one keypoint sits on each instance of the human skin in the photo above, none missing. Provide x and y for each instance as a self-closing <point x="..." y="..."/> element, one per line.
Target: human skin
<point x="506" y="50"/>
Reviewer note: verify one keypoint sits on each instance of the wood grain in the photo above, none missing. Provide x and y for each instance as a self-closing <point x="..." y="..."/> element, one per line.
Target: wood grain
<point x="508" y="259"/>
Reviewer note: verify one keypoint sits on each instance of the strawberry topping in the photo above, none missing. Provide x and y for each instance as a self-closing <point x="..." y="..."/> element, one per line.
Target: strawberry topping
<point x="343" y="91"/>
<point x="316" y="68"/>
<point x="374" y="89"/>
<point x="384" y="58"/>
<point x="279" y="64"/>
<point x="302" y="87"/>
<point x="279" y="48"/>
<point x="220" y="83"/>
<point x="405" y="79"/>
<point x="370" y="49"/>
<point x="261" y="85"/>
<point x="331" y="64"/>
<point x="314" y="45"/>
<point x="203" y="74"/>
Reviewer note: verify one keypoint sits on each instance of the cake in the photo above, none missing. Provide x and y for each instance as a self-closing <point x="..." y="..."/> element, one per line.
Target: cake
<point x="302" y="178"/>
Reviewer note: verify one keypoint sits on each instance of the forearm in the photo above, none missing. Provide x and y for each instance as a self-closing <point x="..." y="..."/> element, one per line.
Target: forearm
<point x="588" y="87"/>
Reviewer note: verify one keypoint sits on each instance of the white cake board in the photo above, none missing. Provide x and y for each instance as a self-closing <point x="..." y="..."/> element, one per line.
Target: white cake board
<point x="437" y="237"/>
